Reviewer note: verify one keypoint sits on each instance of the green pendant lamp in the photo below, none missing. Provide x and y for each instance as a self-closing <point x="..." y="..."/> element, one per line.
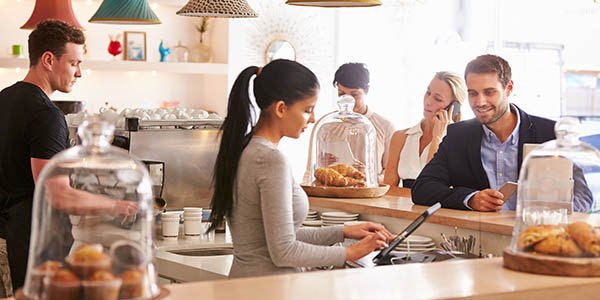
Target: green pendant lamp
<point x="135" y="12"/>
<point x="335" y="3"/>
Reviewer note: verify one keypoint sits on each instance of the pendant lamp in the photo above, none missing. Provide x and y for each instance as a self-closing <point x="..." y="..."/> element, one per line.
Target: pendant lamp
<point x="334" y="3"/>
<point x="136" y="12"/>
<point x="218" y="8"/>
<point x="52" y="9"/>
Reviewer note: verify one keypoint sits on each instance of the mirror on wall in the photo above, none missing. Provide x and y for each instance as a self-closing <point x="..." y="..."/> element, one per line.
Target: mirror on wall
<point x="278" y="49"/>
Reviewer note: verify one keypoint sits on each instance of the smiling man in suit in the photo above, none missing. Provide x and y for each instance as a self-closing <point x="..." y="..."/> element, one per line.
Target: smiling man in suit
<point x="478" y="156"/>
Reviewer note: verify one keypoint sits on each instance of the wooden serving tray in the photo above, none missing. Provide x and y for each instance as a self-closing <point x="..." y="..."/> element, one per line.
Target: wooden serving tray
<point x="551" y="265"/>
<point x="345" y="192"/>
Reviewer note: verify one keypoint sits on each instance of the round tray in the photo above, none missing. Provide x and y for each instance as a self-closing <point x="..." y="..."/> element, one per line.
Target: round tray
<point x="551" y="265"/>
<point x="345" y="192"/>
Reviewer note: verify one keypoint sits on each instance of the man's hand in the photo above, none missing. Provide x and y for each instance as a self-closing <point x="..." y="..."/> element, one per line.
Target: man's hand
<point x="486" y="200"/>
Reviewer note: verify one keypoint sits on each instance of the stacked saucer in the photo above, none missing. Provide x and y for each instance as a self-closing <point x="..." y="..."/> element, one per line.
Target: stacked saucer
<point x="332" y="218"/>
<point x="312" y="219"/>
<point x="416" y="243"/>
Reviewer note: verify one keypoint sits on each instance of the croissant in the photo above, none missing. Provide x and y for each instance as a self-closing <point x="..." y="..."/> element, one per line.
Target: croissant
<point x="348" y="171"/>
<point x="331" y="177"/>
<point x="585" y="236"/>
<point x="535" y="234"/>
<point x="558" y="244"/>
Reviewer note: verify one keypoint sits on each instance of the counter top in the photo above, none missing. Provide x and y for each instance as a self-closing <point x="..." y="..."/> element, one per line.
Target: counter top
<point x="186" y="268"/>
<point x="401" y="206"/>
<point x="473" y="279"/>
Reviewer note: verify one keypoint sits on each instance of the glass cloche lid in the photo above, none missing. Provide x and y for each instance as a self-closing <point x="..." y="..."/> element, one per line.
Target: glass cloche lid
<point x="344" y="149"/>
<point x="558" y="200"/>
<point x="91" y="235"/>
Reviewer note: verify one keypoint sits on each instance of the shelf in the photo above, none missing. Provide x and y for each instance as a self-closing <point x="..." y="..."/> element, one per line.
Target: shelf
<point x="139" y="66"/>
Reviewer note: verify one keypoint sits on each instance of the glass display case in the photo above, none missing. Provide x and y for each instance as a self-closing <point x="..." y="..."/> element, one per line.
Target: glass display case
<point x="345" y="153"/>
<point x="92" y="224"/>
<point x="558" y="207"/>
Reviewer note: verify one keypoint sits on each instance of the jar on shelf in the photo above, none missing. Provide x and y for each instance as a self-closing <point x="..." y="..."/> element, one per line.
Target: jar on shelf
<point x="344" y="149"/>
<point x="558" y="207"/>
<point x="180" y="53"/>
<point x="91" y="235"/>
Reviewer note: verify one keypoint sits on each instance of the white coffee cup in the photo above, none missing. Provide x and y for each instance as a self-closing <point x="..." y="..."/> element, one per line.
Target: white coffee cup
<point x="170" y="228"/>
<point x="192" y="226"/>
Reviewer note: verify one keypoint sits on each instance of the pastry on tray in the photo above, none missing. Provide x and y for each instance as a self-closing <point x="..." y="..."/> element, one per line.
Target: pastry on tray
<point x="558" y="244"/>
<point x="586" y="237"/>
<point x="331" y="177"/>
<point x="102" y="285"/>
<point x="132" y="284"/>
<point x="535" y="234"/>
<point x="88" y="259"/>
<point x="348" y="171"/>
<point x="45" y="269"/>
<point x="63" y="285"/>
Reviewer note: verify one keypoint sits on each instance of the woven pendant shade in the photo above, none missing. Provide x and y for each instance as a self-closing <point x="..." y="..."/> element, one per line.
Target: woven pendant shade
<point x="125" y="12"/>
<point x="218" y="8"/>
<point x="52" y="9"/>
<point x="335" y="3"/>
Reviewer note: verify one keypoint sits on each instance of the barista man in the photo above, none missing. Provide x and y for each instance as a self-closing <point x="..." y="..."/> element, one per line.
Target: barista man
<point x="32" y="130"/>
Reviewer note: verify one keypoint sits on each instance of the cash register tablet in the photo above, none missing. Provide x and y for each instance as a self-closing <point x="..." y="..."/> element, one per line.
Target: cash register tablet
<point x="385" y="256"/>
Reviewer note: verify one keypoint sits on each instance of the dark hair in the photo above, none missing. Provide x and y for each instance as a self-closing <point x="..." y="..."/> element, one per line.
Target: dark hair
<point x="52" y="35"/>
<point x="352" y="75"/>
<point x="280" y="80"/>
<point x="489" y="63"/>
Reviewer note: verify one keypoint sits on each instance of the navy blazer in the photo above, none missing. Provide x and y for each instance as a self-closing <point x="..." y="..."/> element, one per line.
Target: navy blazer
<point x="456" y="170"/>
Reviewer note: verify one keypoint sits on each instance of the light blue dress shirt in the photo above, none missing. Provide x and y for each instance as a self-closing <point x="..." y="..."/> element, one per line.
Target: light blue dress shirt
<point x="500" y="160"/>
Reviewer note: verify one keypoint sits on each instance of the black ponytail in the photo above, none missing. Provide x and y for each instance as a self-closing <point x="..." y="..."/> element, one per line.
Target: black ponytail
<point x="234" y="139"/>
<point x="280" y="80"/>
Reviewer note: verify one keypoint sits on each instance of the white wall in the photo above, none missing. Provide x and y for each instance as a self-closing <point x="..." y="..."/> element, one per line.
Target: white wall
<point x="128" y="89"/>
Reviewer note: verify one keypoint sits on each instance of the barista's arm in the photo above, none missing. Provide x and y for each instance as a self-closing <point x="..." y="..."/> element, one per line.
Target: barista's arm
<point x="63" y="197"/>
<point x="37" y="164"/>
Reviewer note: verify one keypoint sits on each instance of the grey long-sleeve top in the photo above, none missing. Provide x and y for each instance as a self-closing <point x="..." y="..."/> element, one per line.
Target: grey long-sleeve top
<point x="269" y="207"/>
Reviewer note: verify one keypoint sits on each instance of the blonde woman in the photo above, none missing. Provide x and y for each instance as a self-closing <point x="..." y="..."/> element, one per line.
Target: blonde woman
<point x="412" y="148"/>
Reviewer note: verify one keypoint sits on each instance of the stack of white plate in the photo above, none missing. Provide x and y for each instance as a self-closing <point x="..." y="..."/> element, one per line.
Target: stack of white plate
<point x="332" y="218"/>
<point x="312" y="219"/>
<point x="416" y="243"/>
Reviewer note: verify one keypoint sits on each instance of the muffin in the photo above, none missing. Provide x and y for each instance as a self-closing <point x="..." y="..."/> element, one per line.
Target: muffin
<point x="102" y="285"/>
<point x="62" y="285"/>
<point x="45" y="269"/>
<point x="88" y="259"/>
<point x="132" y="284"/>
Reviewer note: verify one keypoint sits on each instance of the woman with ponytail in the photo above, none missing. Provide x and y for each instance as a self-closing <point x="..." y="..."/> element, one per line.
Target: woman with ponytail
<point x="253" y="183"/>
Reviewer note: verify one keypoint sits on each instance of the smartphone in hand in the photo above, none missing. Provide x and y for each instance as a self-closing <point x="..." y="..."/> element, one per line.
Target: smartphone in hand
<point x="508" y="189"/>
<point x="455" y="110"/>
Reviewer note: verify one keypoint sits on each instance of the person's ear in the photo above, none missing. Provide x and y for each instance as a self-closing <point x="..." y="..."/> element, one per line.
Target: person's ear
<point x="366" y="89"/>
<point x="279" y="108"/>
<point x="509" y="88"/>
<point x="46" y="60"/>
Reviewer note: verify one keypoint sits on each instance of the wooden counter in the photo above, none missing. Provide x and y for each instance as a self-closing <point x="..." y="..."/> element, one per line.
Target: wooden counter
<point x="472" y="279"/>
<point x="401" y="206"/>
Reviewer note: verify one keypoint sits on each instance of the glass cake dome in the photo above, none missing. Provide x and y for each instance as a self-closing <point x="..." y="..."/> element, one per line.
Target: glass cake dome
<point x="344" y="149"/>
<point x="91" y="235"/>
<point x="558" y="198"/>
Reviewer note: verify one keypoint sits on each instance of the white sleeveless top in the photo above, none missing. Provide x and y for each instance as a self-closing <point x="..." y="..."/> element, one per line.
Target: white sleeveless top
<point x="410" y="163"/>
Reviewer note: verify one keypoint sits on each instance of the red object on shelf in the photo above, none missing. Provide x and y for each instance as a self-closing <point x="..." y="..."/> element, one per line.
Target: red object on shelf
<point x="114" y="48"/>
<point x="52" y="9"/>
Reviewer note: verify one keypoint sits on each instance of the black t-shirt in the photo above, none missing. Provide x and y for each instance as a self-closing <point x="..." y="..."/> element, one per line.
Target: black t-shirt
<point x="31" y="126"/>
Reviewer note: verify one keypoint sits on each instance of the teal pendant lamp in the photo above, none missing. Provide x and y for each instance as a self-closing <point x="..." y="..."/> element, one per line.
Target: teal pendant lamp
<point x="135" y="12"/>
